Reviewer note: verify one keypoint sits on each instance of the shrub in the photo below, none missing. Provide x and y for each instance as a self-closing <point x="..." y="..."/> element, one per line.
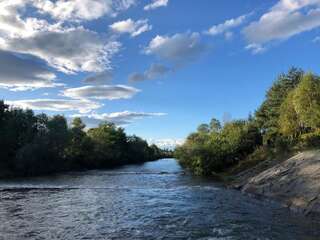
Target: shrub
<point x="310" y="139"/>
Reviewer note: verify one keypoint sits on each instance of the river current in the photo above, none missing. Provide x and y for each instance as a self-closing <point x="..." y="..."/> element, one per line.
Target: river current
<point x="155" y="200"/>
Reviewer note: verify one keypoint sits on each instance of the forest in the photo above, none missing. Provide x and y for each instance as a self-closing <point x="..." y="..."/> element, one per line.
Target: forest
<point x="288" y="120"/>
<point x="39" y="144"/>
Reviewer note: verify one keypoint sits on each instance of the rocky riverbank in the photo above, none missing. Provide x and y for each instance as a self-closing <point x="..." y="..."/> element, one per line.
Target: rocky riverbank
<point x="294" y="182"/>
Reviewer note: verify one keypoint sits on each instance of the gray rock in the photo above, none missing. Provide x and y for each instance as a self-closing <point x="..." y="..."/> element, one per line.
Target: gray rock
<point x="294" y="182"/>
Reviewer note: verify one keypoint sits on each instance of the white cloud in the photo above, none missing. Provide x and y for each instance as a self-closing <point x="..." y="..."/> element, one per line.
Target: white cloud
<point x="168" y="143"/>
<point x="82" y="106"/>
<point x="118" y="118"/>
<point x="99" y="78"/>
<point x="77" y="10"/>
<point x="131" y="27"/>
<point x="316" y="39"/>
<point x="156" y="4"/>
<point x="255" y="48"/>
<point x="23" y="73"/>
<point x="101" y="92"/>
<point x="228" y="35"/>
<point x="226" y="26"/>
<point x="70" y="50"/>
<point x="155" y="71"/>
<point x="12" y="24"/>
<point x="284" y="20"/>
<point x="179" y="48"/>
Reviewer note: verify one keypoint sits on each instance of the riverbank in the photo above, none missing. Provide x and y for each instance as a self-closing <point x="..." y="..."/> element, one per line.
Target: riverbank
<point x="294" y="182"/>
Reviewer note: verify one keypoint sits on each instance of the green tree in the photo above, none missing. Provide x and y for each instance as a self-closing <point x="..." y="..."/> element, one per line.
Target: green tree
<point x="138" y="150"/>
<point x="289" y="122"/>
<point x="80" y="148"/>
<point x="215" y="125"/>
<point x="267" y="116"/>
<point x="110" y="144"/>
<point x="307" y="101"/>
<point x="32" y="145"/>
<point x="203" y="128"/>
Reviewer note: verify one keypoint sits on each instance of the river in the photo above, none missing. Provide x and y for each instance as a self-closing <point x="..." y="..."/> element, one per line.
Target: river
<point x="155" y="200"/>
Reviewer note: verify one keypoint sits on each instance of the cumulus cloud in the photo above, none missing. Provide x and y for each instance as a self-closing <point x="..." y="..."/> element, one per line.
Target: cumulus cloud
<point x="156" y="4"/>
<point x="68" y="49"/>
<point x="155" y="71"/>
<point x="58" y="48"/>
<point x="225" y="27"/>
<point x="118" y="118"/>
<point x="179" y="48"/>
<point x="13" y="25"/>
<point x="23" y="73"/>
<point x="284" y="20"/>
<point x="78" y="10"/>
<point x="81" y="106"/>
<point x="102" y="92"/>
<point x="131" y="27"/>
<point x="99" y="78"/>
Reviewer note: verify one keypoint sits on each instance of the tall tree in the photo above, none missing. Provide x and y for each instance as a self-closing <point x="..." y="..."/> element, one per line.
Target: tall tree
<point x="215" y="125"/>
<point x="289" y="122"/>
<point x="267" y="116"/>
<point x="307" y="101"/>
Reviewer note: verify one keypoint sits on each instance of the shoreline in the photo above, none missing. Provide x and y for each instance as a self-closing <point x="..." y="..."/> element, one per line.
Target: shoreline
<point x="294" y="183"/>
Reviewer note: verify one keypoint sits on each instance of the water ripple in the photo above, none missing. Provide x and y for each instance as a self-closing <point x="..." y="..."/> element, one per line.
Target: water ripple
<point x="140" y="202"/>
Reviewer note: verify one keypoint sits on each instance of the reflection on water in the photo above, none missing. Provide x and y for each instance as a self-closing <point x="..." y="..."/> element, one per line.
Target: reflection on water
<point x="151" y="201"/>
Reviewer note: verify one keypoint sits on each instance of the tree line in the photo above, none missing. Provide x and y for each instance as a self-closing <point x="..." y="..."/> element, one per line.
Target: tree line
<point x="288" y="119"/>
<point x="39" y="144"/>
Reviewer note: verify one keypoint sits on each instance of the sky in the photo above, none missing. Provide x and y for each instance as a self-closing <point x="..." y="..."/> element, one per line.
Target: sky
<point x="158" y="68"/>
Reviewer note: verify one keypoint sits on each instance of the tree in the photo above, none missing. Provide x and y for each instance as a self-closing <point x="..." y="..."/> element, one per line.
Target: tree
<point x="289" y="123"/>
<point x="215" y="125"/>
<point x="267" y="116"/>
<point x="80" y="148"/>
<point x="58" y="135"/>
<point x="203" y="128"/>
<point x="110" y="144"/>
<point x="206" y="153"/>
<point x="78" y="124"/>
<point x="138" y="149"/>
<point x="37" y="144"/>
<point x="307" y="101"/>
<point x="300" y="111"/>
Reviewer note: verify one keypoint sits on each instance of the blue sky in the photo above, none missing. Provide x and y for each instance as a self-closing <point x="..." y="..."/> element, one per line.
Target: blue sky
<point x="158" y="68"/>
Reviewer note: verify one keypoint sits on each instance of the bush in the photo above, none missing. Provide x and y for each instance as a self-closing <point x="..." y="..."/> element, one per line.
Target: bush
<point x="217" y="149"/>
<point x="283" y="144"/>
<point x="261" y="154"/>
<point x="310" y="139"/>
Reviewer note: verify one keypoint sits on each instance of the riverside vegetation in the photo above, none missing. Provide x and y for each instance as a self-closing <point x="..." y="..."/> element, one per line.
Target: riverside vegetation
<point x="287" y="121"/>
<point x="38" y="144"/>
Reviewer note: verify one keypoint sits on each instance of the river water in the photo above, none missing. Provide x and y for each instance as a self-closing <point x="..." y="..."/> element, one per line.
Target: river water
<point x="155" y="200"/>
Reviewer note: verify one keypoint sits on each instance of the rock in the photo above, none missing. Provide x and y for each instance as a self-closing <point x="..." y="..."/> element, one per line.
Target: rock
<point x="294" y="182"/>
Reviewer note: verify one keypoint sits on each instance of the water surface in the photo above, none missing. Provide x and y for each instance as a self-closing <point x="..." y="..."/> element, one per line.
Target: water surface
<point x="155" y="200"/>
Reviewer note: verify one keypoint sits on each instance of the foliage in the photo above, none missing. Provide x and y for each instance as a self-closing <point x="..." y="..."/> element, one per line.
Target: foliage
<point x="260" y="154"/>
<point x="311" y="139"/>
<point x="208" y="152"/>
<point x="307" y="101"/>
<point x="38" y="144"/>
<point x="288" y="118"/>
<point x="268" y="113"/>
<point x="300" y="111"/>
